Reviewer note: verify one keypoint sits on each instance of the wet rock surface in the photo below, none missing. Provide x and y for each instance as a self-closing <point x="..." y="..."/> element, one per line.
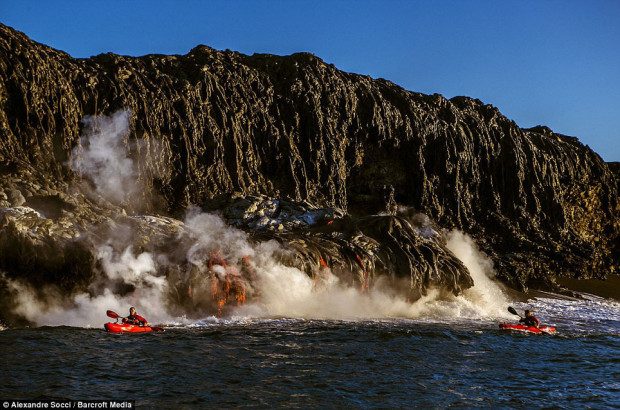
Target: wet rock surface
<point x="292" y="149"/>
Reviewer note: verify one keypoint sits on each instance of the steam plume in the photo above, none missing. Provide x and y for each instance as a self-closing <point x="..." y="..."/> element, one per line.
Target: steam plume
<point x="276" y="289"/>
<point x="102" y="157"/>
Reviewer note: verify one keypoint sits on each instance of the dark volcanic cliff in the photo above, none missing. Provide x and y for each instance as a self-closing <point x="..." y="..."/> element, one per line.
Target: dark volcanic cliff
<point x="539" y="203"/>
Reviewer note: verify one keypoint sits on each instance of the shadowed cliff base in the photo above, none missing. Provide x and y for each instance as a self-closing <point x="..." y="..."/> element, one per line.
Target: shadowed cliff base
<point x="211" y="128"/>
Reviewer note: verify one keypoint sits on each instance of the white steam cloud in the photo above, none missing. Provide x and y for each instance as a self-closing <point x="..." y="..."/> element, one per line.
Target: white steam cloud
<point x="288" y="292"/>
<point x="102" y="157"/>
<point x="210" y="233"/>
<point x="276" y="290"/>
<point x="88" y="310"/>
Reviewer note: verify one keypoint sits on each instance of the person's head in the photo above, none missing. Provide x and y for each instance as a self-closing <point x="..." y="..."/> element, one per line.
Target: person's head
<point x="132" y="310"/>
<point x="529" y="313"/>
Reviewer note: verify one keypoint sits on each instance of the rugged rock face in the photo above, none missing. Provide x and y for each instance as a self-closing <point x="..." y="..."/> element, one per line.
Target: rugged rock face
<point x="225" y="125"/>
<point x="76" y="251"/>
<point x="615" y="169"/>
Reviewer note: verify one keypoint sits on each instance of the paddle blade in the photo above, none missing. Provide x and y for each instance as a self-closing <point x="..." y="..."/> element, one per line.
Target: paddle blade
<point x="112" y="314"/>
<point x="157" y="329"/>
<point x="513" y="311"/>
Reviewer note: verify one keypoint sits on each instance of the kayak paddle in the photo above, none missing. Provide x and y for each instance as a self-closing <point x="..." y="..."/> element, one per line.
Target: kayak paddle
<point x="112" y="314"/>
<point x="513" y="311"/>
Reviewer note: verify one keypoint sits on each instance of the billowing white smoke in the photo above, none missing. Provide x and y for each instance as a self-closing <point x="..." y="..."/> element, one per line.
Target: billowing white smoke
<point x="282" y="291"/>
<point x="131" y="269"/>
<point x="210" y="233"/>
<point x="278" y="290"/>
<point x="288" y="292"/>
<point x="89" y="311"/>
<point x="102" y="157"/>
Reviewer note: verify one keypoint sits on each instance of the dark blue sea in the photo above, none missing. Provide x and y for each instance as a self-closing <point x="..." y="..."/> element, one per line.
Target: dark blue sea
<point x="281" y="362"/>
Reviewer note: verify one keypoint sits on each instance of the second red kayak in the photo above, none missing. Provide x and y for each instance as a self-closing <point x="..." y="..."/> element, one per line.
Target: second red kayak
<point x="528" y="329"/>
<point x="123" y="328"/>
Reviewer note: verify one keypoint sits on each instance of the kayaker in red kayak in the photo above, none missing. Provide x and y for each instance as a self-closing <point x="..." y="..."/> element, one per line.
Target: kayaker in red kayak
<point x="134" y="318"/>
<point x="530" y="319"/>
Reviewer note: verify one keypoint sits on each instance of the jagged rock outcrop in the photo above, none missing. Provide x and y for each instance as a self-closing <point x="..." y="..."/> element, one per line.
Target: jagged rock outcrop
<point x="215" y="123"/>
<point x="70" y="252"/>
<point x="615" y="169"/>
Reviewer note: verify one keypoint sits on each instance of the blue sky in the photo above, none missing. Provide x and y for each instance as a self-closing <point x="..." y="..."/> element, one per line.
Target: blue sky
<point x="554" y="62"/>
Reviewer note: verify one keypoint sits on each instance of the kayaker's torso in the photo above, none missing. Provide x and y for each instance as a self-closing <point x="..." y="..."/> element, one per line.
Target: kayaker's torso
<point x="135" y="320"/>
<point x="530" y="321"/>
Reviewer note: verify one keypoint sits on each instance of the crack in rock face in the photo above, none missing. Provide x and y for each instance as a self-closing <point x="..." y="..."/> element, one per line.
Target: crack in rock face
<point x="345" y="172"/>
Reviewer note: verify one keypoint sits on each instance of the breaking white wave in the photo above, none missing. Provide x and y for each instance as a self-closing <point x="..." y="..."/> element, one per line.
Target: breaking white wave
<point x="288" y="292"/>
<point x="593" y="315"/>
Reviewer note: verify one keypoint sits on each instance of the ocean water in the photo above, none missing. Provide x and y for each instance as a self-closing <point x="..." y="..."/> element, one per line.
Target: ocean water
<point x="284" y="362"/>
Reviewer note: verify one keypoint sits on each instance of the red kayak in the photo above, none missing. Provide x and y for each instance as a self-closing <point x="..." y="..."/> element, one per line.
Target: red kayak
<point x="527" y="329"/>
<point x="123" y="328"/>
